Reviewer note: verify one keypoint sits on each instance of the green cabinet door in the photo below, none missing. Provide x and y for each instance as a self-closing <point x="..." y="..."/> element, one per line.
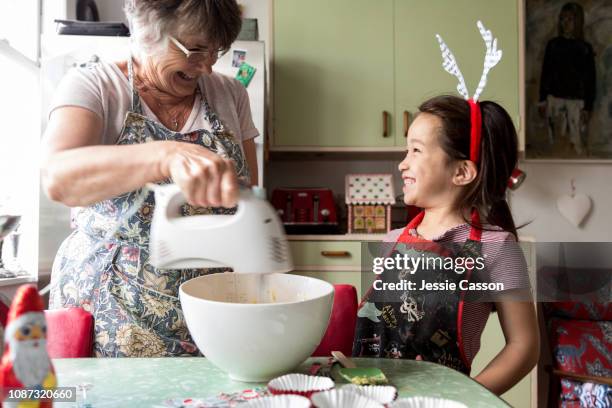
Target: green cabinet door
<point x="332" y="73"/>
<point x="418" y="63"/>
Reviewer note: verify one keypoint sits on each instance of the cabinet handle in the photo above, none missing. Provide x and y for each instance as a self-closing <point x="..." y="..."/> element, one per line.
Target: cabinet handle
<point x="385" y="118"/>
<point x="336" y="254"/>
<point x="406" y="123"/>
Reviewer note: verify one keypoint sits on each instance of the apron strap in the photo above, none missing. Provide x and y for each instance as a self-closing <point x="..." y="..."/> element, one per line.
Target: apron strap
<point x="475" y="235"/>
<point x="476" y="228"/>
<point x="211" y="116"/>
<point x="135" y="103"/>
<point x="411" y="225"/>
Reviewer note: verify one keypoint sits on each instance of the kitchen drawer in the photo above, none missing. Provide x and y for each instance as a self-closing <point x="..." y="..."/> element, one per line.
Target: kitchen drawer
<point x="326" y="255"/>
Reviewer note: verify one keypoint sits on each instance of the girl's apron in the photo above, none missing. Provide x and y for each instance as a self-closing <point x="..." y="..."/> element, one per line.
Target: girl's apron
<point x="407" y="324"/>
<point x="103" y="265"/>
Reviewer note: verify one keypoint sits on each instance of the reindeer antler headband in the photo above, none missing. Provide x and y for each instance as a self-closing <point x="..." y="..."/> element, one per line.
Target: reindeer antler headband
<point x="492" y="57"/>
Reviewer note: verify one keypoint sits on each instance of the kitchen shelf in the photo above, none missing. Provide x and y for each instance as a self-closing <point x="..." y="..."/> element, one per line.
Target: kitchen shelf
<point x="17" y="280"/>
<point x="361" y="237"/>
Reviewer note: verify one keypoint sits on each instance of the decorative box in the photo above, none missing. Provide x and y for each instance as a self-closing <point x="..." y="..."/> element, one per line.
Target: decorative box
<point x="369" y="198"/>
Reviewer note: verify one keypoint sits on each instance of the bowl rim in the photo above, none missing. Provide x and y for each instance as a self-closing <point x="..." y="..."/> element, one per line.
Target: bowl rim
<point x="182" y="292"/>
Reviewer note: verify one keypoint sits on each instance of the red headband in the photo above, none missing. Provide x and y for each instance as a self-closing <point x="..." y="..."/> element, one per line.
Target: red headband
<point x="475" y="130"/>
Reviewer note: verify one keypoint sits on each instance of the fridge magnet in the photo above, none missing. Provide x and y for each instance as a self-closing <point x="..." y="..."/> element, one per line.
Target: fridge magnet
<point x="245" y="74"/>
<point x="238" y="57"/>
<point x="574" y="207"/>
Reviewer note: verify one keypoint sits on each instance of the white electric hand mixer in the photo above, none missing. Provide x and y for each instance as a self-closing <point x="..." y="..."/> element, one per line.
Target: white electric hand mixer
<point x="250" y="241"/>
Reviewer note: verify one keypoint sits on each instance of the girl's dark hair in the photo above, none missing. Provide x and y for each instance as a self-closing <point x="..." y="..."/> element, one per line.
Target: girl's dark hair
<point x="498" y="154"/>
<point x="577" y="11"/>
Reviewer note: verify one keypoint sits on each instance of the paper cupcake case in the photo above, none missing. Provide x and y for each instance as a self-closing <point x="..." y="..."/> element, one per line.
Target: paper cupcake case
<point x="426" y="402"/>
<point x="342" y="398"/>
<point x="300" y="384"/>
<point x="278" y="401"/>
<point x="384" y="394"/>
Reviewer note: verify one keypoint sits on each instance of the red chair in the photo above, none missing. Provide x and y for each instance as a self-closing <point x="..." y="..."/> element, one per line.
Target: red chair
<point x="341" y="329"/>
<point x="69" y="333"/>
<point x="4" y="309"/>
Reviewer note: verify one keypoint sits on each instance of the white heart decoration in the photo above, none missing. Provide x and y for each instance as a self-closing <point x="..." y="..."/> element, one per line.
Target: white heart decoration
<point x="575" y="208"/>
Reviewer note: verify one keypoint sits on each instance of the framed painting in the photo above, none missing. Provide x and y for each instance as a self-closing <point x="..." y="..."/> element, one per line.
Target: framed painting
<point x="568" y="79"/>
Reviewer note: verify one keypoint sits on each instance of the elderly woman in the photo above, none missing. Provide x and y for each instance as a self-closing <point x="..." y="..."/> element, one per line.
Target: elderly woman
<point x="161" y="115"/>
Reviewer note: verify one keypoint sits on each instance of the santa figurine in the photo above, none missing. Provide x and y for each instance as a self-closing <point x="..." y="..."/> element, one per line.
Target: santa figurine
<point x="25" y="363"/>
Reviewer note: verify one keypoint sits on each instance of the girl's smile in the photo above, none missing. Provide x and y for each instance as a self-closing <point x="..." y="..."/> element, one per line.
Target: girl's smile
<point x="426" y="170"/>
<point x="408" y="181"/>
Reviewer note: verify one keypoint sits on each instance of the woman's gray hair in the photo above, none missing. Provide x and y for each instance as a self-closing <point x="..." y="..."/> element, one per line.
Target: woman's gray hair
<point x="151" y="21"/>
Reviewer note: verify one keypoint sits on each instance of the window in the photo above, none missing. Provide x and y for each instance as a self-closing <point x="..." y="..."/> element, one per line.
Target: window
<point x="20" y="127"/>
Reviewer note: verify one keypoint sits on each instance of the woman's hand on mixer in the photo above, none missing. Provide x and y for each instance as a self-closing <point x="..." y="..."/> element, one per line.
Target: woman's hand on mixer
<point x="205" y="178"/>
<point x="78" y="170"/>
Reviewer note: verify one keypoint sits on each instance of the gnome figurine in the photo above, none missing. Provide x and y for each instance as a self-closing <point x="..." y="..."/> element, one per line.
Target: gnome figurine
<point x="25" y="363"/>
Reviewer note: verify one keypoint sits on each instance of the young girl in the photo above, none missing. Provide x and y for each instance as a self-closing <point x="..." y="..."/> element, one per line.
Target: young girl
<point x="460" y="184"/>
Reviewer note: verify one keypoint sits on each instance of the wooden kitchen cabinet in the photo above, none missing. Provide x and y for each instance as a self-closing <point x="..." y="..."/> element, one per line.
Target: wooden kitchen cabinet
<point x="338" y="65"/>
<point x="326" y="255"/>
<point x="333" y="73"/>
<point x="418" y="63"/>
<point x="333" y="260"/>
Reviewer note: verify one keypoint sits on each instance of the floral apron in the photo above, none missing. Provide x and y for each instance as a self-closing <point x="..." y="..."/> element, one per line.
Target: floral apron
<point x="103" y="265"/>
<point x="418" y="323"/>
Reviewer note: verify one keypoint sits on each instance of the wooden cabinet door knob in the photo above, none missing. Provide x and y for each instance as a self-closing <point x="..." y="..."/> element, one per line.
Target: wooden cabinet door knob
<point x="336" y="254"/>
<point x="406" y="123"/>
<point x="385" y="118"/>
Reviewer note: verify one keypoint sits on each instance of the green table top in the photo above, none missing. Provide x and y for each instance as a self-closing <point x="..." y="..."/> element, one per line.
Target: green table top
<point x="148" y="382"/>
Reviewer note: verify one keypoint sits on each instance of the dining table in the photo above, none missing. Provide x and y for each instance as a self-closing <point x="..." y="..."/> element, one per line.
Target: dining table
<point x="164" y="382"/>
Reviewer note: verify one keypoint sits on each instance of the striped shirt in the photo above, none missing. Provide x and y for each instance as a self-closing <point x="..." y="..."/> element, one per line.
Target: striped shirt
<point x="509" y="268"/>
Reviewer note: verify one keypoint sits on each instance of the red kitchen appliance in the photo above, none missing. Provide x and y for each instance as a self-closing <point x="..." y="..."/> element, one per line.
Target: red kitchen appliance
<point x="306" y="210"/>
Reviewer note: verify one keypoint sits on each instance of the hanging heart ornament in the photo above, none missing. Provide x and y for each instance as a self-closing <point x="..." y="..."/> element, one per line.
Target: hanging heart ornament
<point x="574" y="208"/>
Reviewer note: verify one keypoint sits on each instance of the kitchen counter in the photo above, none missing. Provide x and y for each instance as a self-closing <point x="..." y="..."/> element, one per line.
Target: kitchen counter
<point x="360" y="237"/>
<point x="148" y="382"/>
<point x="337" y="237"/>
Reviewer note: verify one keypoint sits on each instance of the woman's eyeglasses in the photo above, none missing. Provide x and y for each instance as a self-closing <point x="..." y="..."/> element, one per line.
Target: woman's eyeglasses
<point x="198" y="54"/>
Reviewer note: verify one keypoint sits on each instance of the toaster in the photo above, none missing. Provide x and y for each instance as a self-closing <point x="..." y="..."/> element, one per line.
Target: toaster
<point x="306" y="210"/>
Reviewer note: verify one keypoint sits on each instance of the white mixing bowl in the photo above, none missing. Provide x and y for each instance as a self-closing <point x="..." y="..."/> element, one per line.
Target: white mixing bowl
<point x="256" y="327"/>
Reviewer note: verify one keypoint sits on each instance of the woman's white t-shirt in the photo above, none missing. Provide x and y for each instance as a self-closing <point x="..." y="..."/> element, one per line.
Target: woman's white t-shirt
<point x="103" y="89"/>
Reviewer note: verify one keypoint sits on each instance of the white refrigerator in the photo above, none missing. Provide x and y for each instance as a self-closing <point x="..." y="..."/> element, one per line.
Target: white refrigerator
<point x="59" y="53"/>
<point x="253" y="53"/>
